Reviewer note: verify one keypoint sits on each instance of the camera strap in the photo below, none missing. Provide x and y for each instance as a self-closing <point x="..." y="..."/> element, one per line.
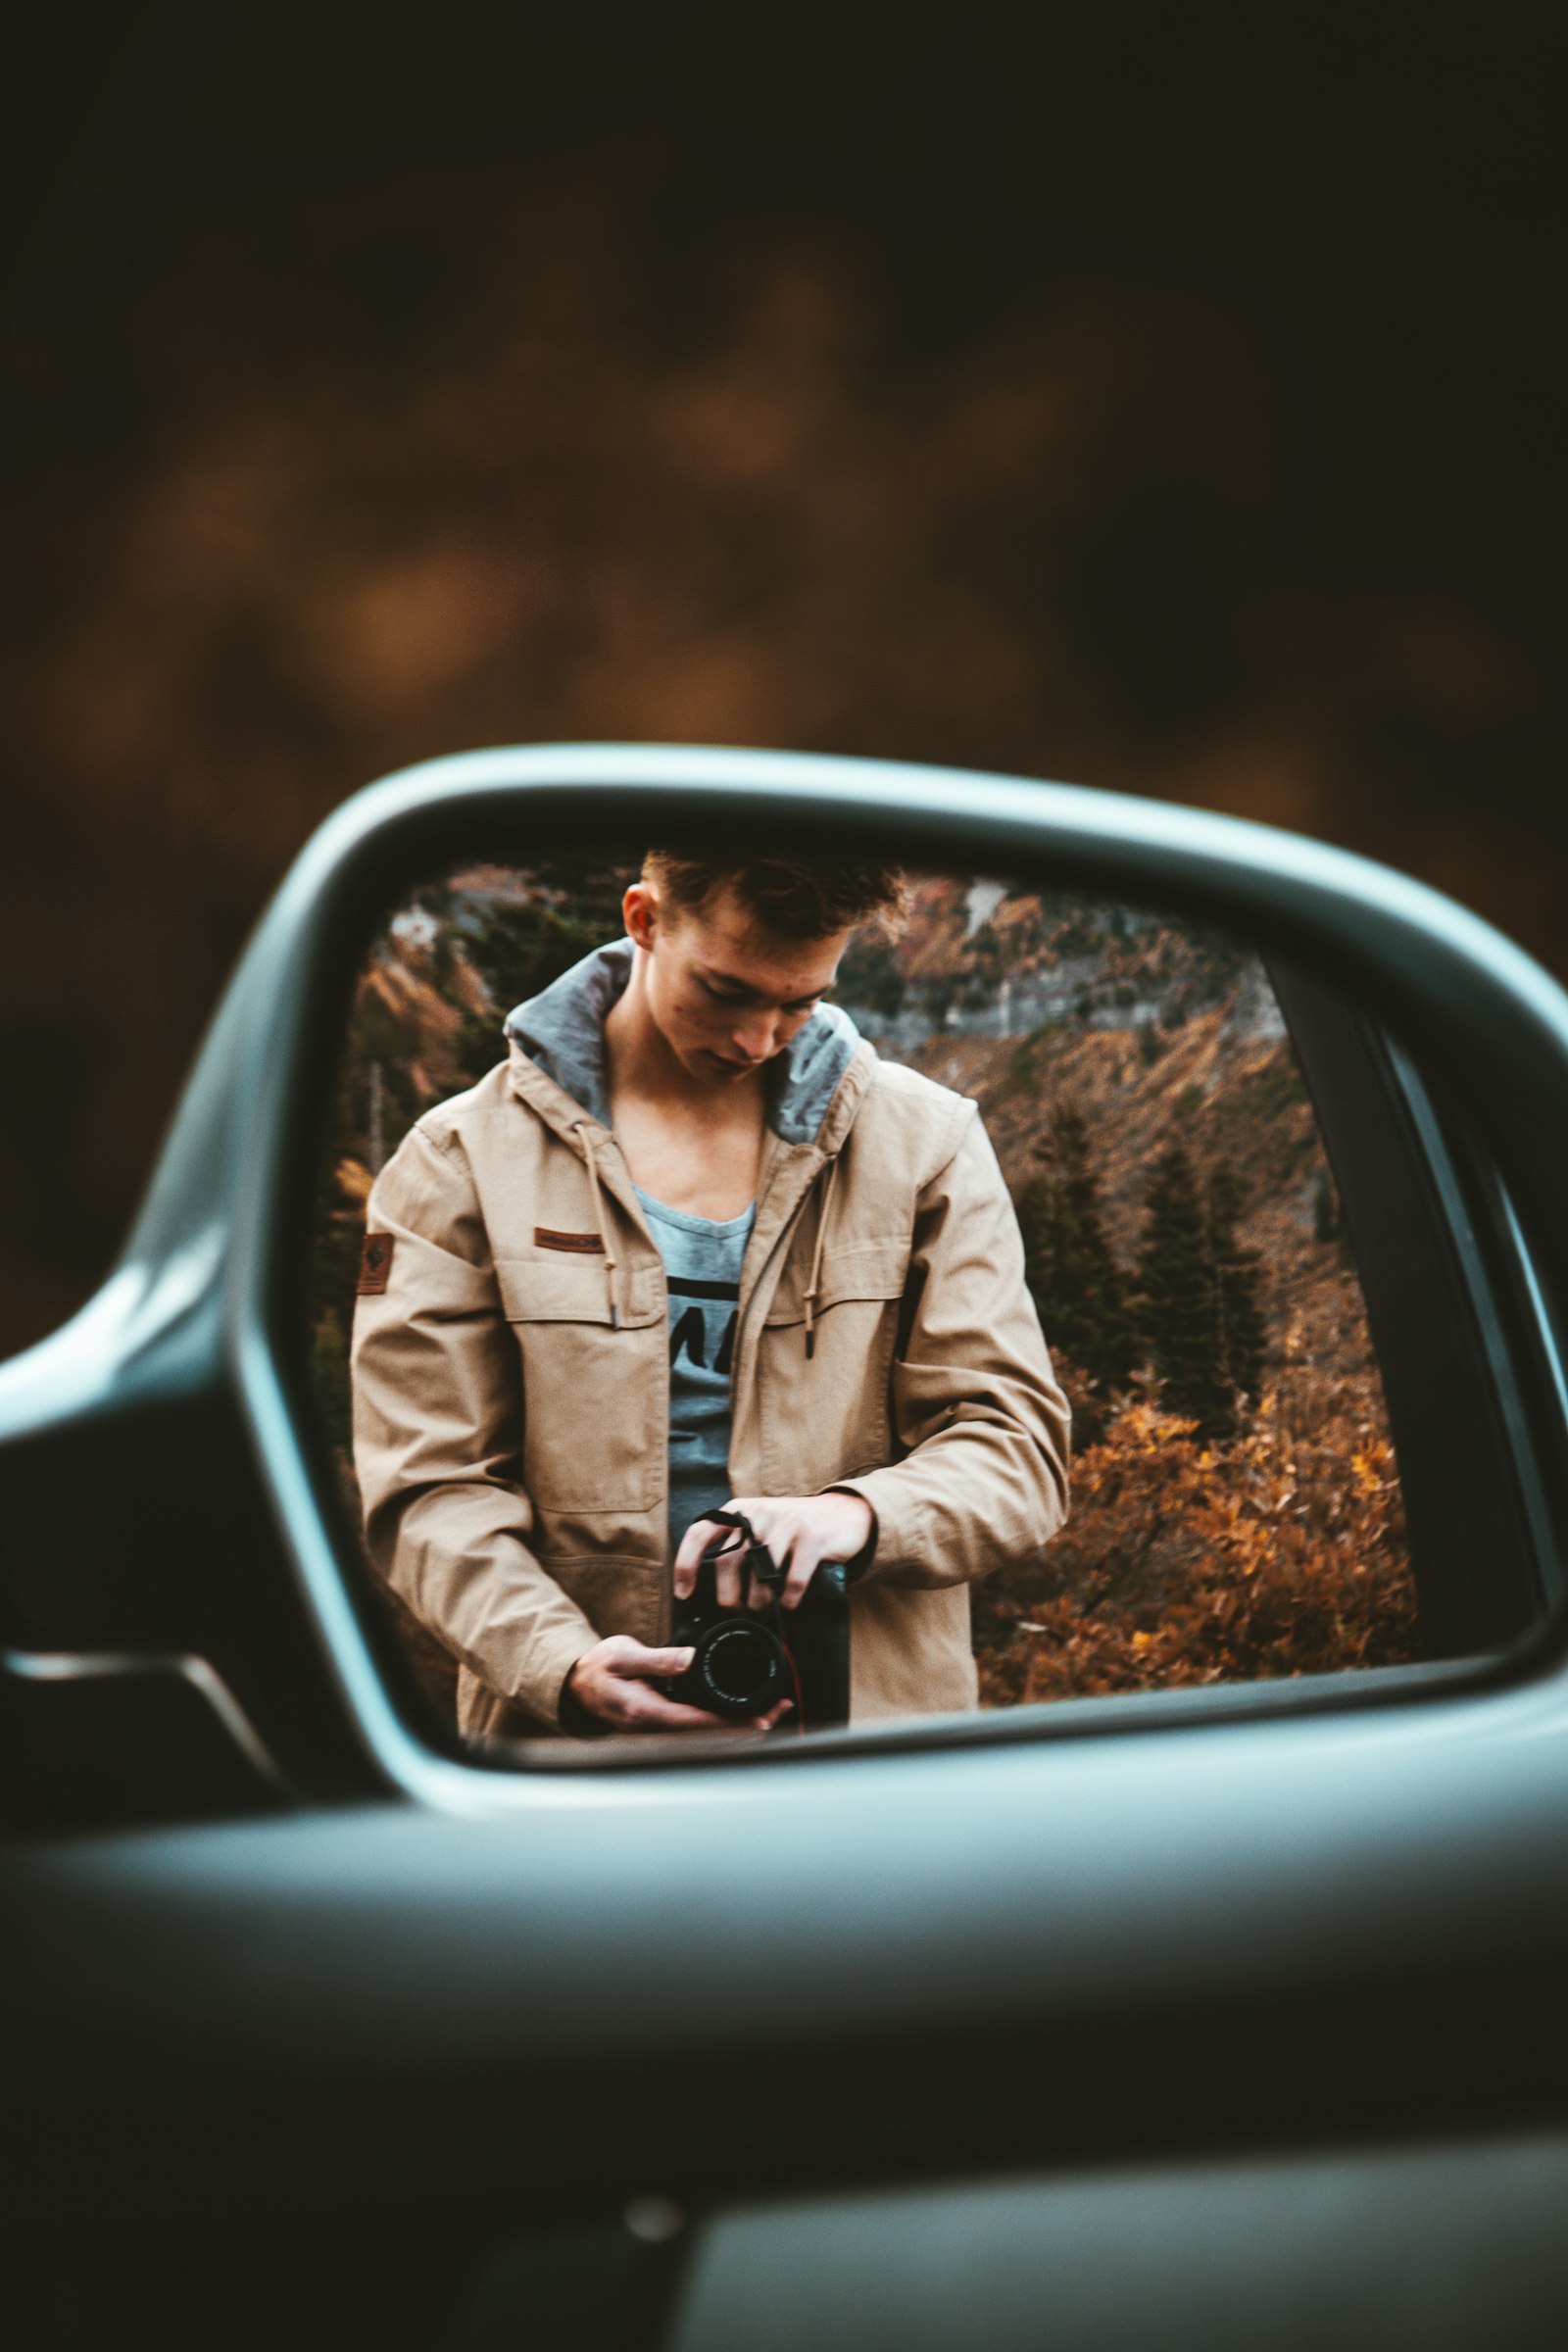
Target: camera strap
<point x="760" y="1563"/>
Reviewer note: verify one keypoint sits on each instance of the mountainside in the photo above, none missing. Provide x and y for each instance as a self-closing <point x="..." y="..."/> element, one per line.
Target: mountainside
<point x="1155" y="1034"/>
<point x="1232" y="1097"/>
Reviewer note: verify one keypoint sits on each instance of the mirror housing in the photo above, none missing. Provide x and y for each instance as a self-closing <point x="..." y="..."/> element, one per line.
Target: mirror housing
<point x="166" y="1520"/>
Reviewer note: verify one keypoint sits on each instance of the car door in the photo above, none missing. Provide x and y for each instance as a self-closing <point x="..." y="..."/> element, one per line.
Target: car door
<point x="1224" y="2015"/>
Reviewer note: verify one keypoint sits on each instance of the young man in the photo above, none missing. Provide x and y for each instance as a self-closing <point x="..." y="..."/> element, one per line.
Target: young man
<point x="697" y="1245"/>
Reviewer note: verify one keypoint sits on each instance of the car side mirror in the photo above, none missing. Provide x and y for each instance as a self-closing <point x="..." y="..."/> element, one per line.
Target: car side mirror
<point x="173" y="1518"/>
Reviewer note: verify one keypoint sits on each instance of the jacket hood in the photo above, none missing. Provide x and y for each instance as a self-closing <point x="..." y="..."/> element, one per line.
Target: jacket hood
<point x="563" y="1031"/>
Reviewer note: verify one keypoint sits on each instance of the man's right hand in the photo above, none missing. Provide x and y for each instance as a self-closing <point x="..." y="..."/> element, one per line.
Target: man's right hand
<point x="615" y="1682"/>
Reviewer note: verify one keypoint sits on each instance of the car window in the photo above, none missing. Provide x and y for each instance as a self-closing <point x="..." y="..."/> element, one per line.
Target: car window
<point x="1235" y="1507"/>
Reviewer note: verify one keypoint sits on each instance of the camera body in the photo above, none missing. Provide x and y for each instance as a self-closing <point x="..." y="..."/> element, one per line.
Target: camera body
<point x="749" y="1659"/>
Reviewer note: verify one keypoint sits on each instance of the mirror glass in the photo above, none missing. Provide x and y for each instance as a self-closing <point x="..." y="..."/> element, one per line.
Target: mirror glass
<point x="610" y="1234"/>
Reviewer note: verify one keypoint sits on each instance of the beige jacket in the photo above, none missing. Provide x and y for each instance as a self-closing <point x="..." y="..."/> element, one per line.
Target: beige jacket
<point x="511" y="1377"/>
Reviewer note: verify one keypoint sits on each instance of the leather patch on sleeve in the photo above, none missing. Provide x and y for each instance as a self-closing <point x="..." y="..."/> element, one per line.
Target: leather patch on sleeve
<point x="586" y="1245"/>
<point x="376" y="1263"/>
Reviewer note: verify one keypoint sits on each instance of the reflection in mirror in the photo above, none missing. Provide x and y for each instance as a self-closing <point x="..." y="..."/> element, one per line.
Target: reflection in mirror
<point x="753" y="1194"/>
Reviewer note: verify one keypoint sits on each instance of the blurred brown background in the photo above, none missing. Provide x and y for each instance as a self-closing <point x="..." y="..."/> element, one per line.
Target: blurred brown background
<point x="1168" y="402"/>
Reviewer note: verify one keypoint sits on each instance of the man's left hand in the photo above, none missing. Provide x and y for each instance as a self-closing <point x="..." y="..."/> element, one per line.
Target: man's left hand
<point x="801" y="1531"/>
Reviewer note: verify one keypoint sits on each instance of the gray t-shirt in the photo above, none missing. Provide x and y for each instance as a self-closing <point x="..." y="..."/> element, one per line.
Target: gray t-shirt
<point x="703" y="1274"/>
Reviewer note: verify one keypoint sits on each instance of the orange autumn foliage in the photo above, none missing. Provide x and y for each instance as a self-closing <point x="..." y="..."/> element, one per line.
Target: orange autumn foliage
<point x="1281" y="1552"/>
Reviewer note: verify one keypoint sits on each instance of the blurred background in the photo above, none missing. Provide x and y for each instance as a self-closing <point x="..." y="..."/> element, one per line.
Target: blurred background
<point x="1171" y="403"/>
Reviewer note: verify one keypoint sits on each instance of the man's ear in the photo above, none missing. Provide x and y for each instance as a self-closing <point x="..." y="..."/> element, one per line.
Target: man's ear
<point x="640" y="913"/>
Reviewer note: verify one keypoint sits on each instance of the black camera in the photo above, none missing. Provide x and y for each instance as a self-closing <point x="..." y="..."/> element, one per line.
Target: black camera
<point x="748" y="1659"/>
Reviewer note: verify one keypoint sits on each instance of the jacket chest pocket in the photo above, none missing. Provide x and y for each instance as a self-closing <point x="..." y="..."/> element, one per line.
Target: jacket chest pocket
<point x="861" y="1273"/>
<point x="594" y="1401"/>
<point x="825" y="1415"/>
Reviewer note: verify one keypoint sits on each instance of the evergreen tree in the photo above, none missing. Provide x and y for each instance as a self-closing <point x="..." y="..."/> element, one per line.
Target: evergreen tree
<point x="518" y="949"/>
<point x="1199" y="1293"/>
<point x="1175" y="1290"/>
<point x="1241" y="1333"/>
<point x="869" y="975"/>
<point x="1078" y="1287"/>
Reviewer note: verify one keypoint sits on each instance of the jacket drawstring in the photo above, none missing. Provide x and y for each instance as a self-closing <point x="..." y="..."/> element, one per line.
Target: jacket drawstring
<point x="815" y="1282"/>
<point x="603" y="1223"/>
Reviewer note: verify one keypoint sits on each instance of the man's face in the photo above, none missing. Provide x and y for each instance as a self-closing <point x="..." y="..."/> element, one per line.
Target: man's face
<point x="725" y="994"/>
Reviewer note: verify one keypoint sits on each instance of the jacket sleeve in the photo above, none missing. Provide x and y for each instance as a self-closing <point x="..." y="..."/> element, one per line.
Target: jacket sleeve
<point x="974" y="1403"/>
<point x="438" y="1434"/>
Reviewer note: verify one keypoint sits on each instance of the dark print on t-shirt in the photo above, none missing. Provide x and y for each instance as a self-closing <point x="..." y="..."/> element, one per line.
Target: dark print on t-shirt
<point x="703" y="1258"/>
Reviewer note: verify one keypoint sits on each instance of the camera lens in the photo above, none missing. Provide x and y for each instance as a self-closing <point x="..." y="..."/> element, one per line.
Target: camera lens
<point x="740" y="1667"/>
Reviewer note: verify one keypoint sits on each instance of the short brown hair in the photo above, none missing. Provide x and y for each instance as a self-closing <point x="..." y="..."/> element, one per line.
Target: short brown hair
<point x="787" y="895"/>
